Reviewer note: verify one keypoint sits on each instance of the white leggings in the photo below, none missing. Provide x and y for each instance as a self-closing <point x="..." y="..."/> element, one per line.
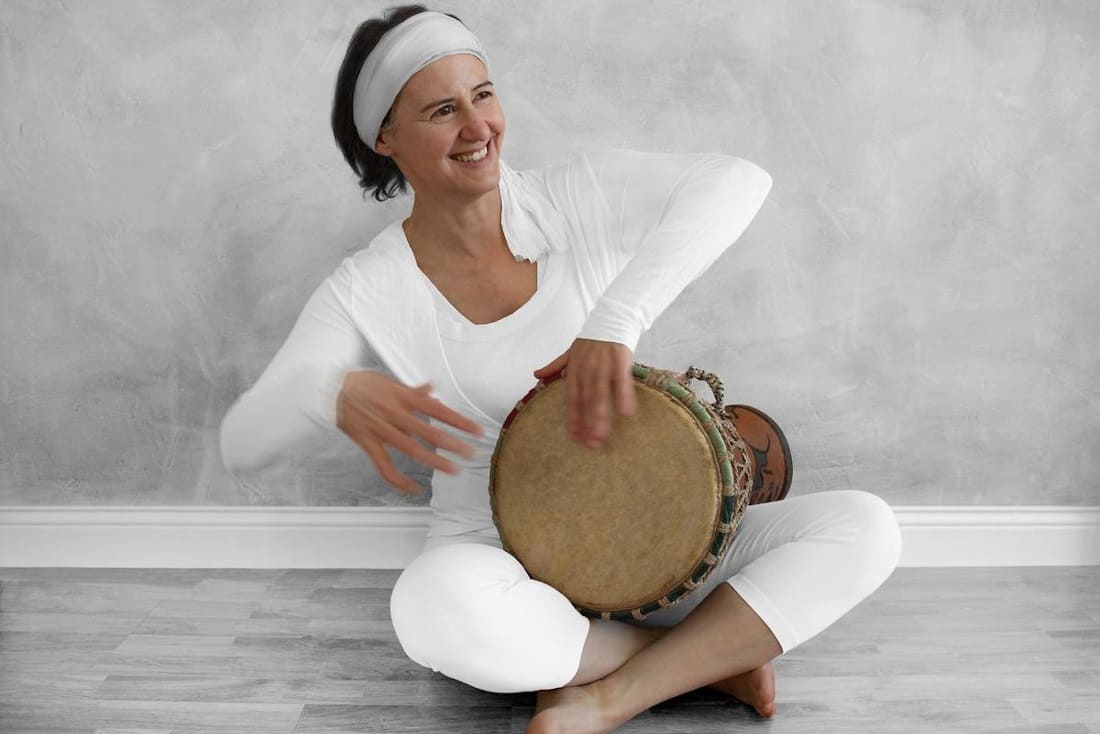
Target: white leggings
<point x="467" y="609"/>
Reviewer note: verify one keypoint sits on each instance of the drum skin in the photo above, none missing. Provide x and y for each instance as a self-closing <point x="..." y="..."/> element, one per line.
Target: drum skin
<point x="629" y="527"/>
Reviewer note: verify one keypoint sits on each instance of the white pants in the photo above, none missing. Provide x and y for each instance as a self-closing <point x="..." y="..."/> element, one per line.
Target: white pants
<point x="467" y="609"/>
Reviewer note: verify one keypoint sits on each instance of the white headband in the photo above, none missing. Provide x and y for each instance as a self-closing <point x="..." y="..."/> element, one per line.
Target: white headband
<point x="404" y="50"/>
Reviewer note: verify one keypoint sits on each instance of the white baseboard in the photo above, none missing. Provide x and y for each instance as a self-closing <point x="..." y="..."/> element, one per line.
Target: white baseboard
<point x="390" y="537"/>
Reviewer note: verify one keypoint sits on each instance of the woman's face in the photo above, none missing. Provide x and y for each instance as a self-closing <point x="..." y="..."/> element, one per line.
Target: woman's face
<point x="447" y="128"/>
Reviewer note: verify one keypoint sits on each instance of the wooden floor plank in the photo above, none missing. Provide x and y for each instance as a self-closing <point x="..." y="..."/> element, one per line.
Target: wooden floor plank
<point x="317" y="719"/>
<point x="191" y="716"/>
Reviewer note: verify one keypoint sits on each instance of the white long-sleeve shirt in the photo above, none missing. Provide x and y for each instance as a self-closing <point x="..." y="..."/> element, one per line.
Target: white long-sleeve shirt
<point x="616" y="237"/>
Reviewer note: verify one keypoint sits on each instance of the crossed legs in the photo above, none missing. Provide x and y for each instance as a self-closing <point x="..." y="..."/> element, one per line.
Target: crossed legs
<point x="722" y="638"/>
<point x="611" y="644"/>
<point x="796" y="566"/>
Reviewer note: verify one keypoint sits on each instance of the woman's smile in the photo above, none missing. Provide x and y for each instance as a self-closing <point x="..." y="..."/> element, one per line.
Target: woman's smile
<point x="472" y="157"/>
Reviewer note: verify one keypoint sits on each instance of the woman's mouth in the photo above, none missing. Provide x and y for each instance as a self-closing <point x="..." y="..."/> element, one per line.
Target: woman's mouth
<point x="473" y="157"/>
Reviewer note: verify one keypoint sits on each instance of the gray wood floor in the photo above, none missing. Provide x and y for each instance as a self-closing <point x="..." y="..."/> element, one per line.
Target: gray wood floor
<point x="113" y="651"/>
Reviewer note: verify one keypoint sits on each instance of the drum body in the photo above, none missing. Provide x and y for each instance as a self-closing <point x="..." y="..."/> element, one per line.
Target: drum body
<point x="631" y="527"/>
<point x="772" y="468"/>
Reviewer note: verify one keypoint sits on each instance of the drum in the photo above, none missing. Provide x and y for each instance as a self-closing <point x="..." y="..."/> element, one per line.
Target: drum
<point x="636" y="525"/>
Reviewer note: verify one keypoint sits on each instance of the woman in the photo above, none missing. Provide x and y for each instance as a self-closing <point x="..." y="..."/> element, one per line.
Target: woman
<point x="498" y="278"/>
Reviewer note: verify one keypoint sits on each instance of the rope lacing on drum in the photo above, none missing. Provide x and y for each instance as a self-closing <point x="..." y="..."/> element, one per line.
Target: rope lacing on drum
<point x="712" y="380"/>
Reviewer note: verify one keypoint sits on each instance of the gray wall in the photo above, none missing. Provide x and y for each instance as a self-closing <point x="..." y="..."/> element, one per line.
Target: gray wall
<point x="915" y="304"/>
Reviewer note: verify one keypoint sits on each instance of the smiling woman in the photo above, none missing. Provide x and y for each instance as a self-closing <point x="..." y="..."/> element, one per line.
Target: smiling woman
<point x="499" y="277"/>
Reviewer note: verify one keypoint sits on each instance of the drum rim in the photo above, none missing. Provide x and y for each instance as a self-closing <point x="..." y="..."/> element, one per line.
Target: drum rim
<point x="723" y="439"/>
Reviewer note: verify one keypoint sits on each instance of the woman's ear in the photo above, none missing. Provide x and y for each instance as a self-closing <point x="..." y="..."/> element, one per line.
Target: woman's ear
<point x="382" y="142"/>
<point x="382" y="146"/>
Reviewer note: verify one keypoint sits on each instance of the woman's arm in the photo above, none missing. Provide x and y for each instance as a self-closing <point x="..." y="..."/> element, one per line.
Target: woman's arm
<point x="669" y="218"/>
<point x="295" y="397"/>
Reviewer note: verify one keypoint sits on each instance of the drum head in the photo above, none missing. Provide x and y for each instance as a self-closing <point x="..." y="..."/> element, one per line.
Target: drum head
<point x="611" y="528"/>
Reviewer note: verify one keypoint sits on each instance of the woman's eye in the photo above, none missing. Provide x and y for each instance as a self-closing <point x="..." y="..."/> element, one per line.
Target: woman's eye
<point x="445" y="111"/>
<point x="484" y="94"/>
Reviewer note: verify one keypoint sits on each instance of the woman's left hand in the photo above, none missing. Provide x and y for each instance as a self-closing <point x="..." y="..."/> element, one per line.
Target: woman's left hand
<point x="598" y="373"/>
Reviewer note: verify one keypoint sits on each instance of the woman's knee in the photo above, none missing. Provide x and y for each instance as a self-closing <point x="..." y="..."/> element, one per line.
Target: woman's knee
<point x="875" y="531"/>
<point x="437" y="601"/>
<point x="472" y="613"/>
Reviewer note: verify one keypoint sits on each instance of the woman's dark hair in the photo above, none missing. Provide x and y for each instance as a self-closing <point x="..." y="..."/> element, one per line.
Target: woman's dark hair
<point x="374" y="171"/>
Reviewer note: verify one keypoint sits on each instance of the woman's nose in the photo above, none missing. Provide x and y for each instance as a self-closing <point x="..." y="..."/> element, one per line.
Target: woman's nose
<point x="475" y="125"/>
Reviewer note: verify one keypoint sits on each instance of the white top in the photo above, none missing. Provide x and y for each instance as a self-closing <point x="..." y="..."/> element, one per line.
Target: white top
<point x="624" y="233"/>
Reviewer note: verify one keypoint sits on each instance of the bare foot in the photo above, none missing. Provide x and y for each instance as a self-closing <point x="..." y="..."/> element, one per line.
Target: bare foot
<point x="756" y="688"/>
<point x="571" y="710"/>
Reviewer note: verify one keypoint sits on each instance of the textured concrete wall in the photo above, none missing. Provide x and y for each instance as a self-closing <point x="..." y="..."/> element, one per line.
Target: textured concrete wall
<point x="916" y="304"/>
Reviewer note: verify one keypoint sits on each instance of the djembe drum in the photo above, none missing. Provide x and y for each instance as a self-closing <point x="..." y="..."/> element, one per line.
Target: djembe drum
<point x="638" y="524"/>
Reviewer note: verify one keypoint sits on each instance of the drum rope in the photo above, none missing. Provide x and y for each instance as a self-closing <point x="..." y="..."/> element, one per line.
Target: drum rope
<point x="694" y="373"/>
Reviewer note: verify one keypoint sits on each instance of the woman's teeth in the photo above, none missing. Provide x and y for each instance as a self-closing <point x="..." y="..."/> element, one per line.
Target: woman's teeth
<point x="472" y="157"/>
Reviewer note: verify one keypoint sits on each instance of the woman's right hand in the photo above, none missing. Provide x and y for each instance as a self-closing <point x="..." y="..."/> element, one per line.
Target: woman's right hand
<point x="374" y="410"/>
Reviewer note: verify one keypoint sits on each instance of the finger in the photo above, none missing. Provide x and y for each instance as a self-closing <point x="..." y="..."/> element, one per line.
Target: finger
<point x="573" y="397"/>
<point x="387" y="470"/>
<point x="598" y="407"/>
<point x="554" y="366"/>
<point x="441" y="439"/>
<point x="392" y="434"/>
<point x="627" y="400"/>
<point x="447" y="442"/>
<point x="428" y="405"/>
<point x="435" y="436"/>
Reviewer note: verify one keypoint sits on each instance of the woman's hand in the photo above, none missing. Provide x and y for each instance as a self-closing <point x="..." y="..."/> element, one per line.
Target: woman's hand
<point x="374" y="410"/>
<point x="598" y="372"/>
